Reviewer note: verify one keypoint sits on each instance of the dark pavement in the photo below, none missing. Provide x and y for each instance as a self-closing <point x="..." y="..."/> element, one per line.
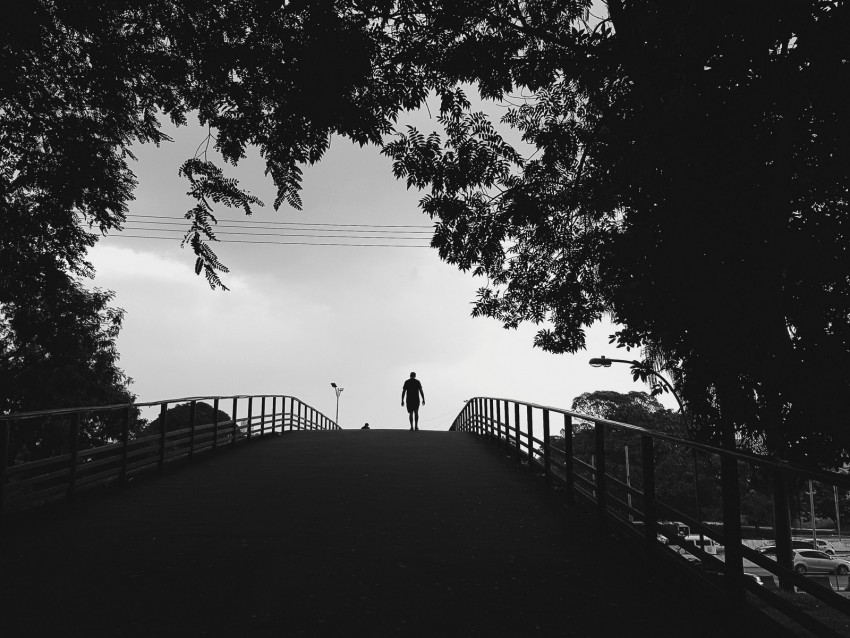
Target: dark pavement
<point x="351" y="533"/>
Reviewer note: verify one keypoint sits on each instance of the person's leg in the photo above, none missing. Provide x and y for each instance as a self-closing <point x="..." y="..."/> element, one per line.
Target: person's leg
<point x="410" y="418"/>
<point x="416" y="416"/>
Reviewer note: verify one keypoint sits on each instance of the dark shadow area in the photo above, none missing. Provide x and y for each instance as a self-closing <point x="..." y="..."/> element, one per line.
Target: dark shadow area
<point x="328" y="533"/>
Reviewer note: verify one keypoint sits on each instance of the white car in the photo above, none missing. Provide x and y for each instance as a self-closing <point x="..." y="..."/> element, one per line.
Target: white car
<point x="822" y="545"/>
<point x="708" y="545"/>
<point x="812" y="560"/>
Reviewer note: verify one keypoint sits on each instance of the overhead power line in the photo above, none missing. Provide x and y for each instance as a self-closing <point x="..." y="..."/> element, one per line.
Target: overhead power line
<point x="293" y="234"/>
<point x="381" y="235"/>
<point x="251" y="222"/>
<point x="284" y="243"/>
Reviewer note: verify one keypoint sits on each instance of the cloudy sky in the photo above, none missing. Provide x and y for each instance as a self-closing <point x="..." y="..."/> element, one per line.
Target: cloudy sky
<point x="298" y="317"/>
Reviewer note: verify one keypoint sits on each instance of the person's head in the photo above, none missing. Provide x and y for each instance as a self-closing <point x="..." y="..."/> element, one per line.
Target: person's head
<point x="412" y="375"/>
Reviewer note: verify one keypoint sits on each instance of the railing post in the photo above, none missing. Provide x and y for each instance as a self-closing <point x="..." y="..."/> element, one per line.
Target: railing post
<point x="263" y="416"/>
<point x="250" y="416"/>
<point x="5" y="427"/>
<point x="163" y="426"/>
<point x="569" y="467"/>
<point x="782" y="527"/>
<point x="499" y="422"/>
<point x="547" y="455"/>
<point x="291" y="412"/>
<point x="530" y="423"/>
<point x="234" y="427"/>
<point x="74" y="444"/>
<point x="491" y="426"/>
<point x="215" y="423"/>
<point x="125" y="443"/>
<point x="601" y="495"/>
<point x="479" y="414"/>
<point x="193" y="423"/>
<point x="507" y="425"/>
<point x="274" y="413"/>
<point x="733" y="566"/>
<point x="516" y="433"/>
<point x="650" y="515"/>
<point x="482" y="418"/>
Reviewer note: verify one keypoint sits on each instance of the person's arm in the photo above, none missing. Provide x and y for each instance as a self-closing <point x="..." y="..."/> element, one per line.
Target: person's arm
<point x="422" y="392"/>
<point x="403" y="390"/>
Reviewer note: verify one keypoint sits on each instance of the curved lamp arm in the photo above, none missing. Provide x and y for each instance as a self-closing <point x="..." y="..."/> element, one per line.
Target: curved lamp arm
<point x="604" y="362"/>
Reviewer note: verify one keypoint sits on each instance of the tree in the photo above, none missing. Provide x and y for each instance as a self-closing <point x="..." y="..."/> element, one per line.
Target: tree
<point x="180" y="417"/>
<point x="84" y="81"/>
<point x="675" y="481"/>
<point x="57" y="350"/>
<point x="688" y="180"/>
<point x="689" y="174"/>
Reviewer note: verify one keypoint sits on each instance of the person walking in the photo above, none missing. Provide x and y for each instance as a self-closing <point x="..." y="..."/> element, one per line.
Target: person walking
<point x="413" y="389"/>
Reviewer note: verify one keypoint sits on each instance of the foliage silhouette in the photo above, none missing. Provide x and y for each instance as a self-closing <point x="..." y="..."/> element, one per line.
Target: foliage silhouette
<point x="689" y="174"/>
<point x="180" y="417"/>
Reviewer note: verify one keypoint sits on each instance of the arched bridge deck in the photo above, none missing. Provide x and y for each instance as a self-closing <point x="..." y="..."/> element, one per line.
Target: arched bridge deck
<point x="393" y="533"/>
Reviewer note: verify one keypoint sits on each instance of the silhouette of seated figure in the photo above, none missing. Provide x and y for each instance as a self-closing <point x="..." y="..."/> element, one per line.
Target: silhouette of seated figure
<point x="365" y="427"/>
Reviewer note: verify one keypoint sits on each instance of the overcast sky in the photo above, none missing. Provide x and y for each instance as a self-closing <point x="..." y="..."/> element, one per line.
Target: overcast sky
<point x="298" y="317"/>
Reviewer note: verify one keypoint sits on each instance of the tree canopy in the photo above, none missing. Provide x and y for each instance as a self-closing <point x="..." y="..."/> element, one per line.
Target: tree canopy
<point x="689" y="174"/>
<point x="179" y="417"/>
<point x="689" y="180"/>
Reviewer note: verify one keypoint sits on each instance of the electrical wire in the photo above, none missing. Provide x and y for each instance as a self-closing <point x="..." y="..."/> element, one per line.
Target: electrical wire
<point x="183" y="220"/>
<point x="254" y="234"/>
<point x="302" y="227"/>
<point x="283" y="243"/>
<point x="380" y="233"/>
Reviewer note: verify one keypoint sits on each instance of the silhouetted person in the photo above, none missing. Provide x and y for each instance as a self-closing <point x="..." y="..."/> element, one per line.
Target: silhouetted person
<point x="365" y="427"/>
<point x="413" y="389"/>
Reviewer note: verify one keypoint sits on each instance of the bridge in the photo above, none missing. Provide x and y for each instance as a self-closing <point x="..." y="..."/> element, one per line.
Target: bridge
<point x="278" y="522"/>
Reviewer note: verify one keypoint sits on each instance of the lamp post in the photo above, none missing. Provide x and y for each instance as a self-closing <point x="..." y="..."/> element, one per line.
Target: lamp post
<point x="337" y="391"/>
<point x="604" y="362"/>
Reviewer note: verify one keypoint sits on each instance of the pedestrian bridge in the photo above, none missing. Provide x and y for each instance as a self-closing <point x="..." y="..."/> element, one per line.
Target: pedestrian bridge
<point x="283" y="524"/>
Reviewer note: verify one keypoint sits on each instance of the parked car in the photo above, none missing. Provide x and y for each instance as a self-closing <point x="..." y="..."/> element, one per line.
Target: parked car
<point x="813" y="560"/>
<point x="755" y="578"/>
<point x="719" y="577"/>
<point x="809" y="543"/>
<point x="708" y="545"/>
<point x="823" y="546"/>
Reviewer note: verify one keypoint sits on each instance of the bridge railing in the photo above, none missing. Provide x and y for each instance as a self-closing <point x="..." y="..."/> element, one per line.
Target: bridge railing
<point x="52" y="454"/>
<point x="657" y="486"/>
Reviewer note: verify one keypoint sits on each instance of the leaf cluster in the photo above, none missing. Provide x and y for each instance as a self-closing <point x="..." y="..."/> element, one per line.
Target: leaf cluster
<point x="689" y="181"/>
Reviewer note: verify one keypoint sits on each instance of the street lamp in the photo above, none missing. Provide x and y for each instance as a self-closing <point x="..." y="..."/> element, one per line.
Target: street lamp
<point x="337" y="391"/>
<point x="604" y="362"/>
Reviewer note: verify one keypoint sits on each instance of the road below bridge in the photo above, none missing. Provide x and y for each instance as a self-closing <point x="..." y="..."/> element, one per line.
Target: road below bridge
<point x="372" y="533"/>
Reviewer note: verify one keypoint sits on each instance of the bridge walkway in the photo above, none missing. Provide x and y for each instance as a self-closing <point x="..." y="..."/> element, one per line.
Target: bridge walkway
<point x="372" y="533"/>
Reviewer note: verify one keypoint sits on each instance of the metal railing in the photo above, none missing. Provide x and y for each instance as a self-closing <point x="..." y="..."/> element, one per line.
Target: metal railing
<point x="639" y="479"/>
<point x="52" y="454"/>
